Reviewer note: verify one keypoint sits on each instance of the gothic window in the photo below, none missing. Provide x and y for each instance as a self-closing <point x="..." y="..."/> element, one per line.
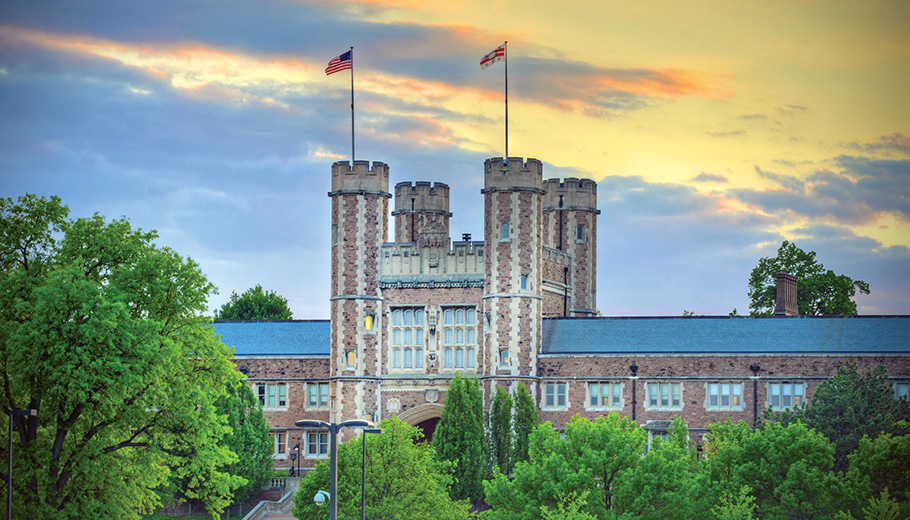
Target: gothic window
<point x="663" y="396"/>
<point x="407" y="338"/>
<point x="272" y="396"/>
<point x="902" y="390"/>
<point x="504" y="232"/>
<point x="605" y="396"/>
<point x="786" y="394"/>
<point x="317" y="396"/>
<point x="280" y="443"/>
<point x="459" y="338"/>
<point x="725" y="396"/>
<point x="317" y="444"/>
<point x="555" y="396"/>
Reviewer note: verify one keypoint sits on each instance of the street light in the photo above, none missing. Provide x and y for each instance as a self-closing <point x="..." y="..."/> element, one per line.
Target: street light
<point x="333" y="455"/>
<point x="363" y="481"/>
<point x="9" y="473"/>
<point x="297" y="452"/>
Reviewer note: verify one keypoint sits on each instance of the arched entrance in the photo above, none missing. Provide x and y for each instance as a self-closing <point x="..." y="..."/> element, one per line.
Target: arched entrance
<point x="425" y="416"/>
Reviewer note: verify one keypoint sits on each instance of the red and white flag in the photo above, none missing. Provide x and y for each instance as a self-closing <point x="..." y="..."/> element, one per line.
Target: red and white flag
<point x="498" y="54"/>
<point x="339" y="63"/>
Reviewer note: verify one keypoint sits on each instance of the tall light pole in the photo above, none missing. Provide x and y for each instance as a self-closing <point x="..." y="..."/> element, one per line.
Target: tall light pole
<point x="333" y="429"/>
<point x="9" y="471"/>
<point x="363" y="481"/>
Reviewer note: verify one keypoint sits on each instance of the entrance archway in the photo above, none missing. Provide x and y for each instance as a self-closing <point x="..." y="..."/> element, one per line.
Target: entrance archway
<point x="425" y="416"/>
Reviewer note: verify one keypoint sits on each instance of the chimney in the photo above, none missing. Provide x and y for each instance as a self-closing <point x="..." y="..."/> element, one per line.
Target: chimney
<point x="786" y="296"/>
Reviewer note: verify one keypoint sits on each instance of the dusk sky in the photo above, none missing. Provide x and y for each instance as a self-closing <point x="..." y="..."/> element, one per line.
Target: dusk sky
<point x="715" y="129"/>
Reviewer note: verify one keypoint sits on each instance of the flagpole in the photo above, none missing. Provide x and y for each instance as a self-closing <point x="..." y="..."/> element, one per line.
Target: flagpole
<point x="352" y="108"/>
<point x="506" y="45"/>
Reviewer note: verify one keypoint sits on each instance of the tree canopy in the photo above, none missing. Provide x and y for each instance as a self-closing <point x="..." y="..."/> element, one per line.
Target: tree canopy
<point x="819" y="291"/>
<point x="255" y="304"/>
<point x="101" y="332"/>
<point x="403" y="479"/>
<point x="460" y="438"/>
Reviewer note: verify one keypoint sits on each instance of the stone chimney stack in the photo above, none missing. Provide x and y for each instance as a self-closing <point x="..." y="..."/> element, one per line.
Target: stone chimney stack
<point x="786" y="296"/>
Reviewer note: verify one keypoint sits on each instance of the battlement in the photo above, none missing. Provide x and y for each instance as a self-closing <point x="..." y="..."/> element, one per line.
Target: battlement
<point x="362" y="178"/>
<point x="512" y="174"/>
<point x="408" y="261"/>
<point x="427" y="197"/>
<point x="577" y="194"/>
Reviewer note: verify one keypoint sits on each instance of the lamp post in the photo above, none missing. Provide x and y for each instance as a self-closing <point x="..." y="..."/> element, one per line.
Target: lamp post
<point x="363" y="480"/>
<point x="297" y="452"/>
<point x="333" y="429"/>
<point x="293" y="459"/>
<point x="9" y="472"/>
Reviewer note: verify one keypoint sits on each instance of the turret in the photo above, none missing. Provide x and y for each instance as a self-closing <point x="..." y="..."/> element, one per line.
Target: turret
<point x="422" y="213"/>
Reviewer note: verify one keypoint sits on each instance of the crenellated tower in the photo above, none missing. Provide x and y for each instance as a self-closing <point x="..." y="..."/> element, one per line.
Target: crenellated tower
<point x="360" y="207"/>
<point x="570" y="227"/>
<point x="512" y="234"/>
<point x="422" y="213"/>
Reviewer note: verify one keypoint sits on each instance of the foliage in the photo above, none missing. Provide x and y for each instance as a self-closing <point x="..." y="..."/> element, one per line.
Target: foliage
<point x="879" y="466"/>
<point x="501" y="430"/>
<point x="403" y="479"/>
<point x="255" y="304"/>
<point x="525" y="419"/>
<point x="459" y="437"/>
<point x="249" y="439"/>
<point x="819" y="291"/>
<point x="585" y="461"/>
<point x="736" y="507"/>
<point x="567" y="508"/>
<point x="101" y="333"/>
<point x="849" y="406"/>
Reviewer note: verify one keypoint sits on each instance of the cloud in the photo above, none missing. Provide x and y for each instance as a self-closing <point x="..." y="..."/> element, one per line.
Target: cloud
<point x="785" y="181"/>
<point x="709" y="177"/>
<point x="896" y="142"/>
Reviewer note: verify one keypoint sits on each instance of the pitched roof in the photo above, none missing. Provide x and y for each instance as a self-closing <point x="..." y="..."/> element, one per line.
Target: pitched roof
<point x="276" y="338"/>
<point x="724" y="334"/>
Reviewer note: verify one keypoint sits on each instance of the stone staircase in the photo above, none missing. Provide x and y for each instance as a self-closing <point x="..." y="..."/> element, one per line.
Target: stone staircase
<point x="277" y="509"/>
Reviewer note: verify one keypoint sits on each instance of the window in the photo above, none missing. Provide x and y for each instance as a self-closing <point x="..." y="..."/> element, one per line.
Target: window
<point x="725" y="396"/>
<point x="555" y="395"/>
<point x="349" y="359"/>
<point x="524" y="282"/>
<point x="317" y="444"/>
<point x="902" y="390"/>
<point x="280" y="442"/>
<point x="580" y="233"/>
<point x="273" y="396"/>
<point x="786" y="394"/>
<point x="459" y="338"/>
<point x="407" y="338"/>
<point x="317" y="395"/>
<point x="664" y="396"/>
<point x="503" y="358"/>
<point x="605" y="396"/>
<point x="504" y="231"/>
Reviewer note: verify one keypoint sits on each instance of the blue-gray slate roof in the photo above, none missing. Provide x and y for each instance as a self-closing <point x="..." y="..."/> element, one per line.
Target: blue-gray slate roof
<point x="672" y="335"/>
<point x="276" y="338"/>
<point x="723" y="334"/>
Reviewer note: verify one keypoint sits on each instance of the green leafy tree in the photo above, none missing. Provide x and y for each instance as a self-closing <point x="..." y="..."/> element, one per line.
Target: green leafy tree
<point x="255" y="304"/>
<point x="501" y="430"/>
<point x="586" y="462"/>
<point x="101" y="333"/>
<point x="740" y="506"/>
<point x="663" y="484"/>
<point x="249" y="439"/>
<point x="459" y="437"/>
<point x="525" y="419"/>
<point x="819" y="291"/>
<point x="880" y="466"/>
<point x="849" y="406"/>
<point x="403" y="479"/>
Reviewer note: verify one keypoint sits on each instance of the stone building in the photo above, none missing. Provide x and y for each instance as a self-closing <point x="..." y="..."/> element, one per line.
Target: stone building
<point x="520" y="306"/>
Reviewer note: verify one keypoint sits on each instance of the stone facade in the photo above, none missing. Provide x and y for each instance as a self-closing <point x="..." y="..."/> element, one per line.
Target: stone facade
<point x="407" y="315"/>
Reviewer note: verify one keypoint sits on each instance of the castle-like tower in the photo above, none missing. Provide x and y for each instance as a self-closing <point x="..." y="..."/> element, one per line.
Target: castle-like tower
<point x="360" y="208"/>
<point x="570" y="227"/>
<point x="408" y="314"/>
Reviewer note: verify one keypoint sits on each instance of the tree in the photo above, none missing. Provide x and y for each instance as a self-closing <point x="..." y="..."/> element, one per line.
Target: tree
<point x="584" y="462"/>
<point x="878" y="467"/>
<point x="403" y="479"/>
<point x="249" y="439"/>
<point x="524" y="422"/>
<point x="818" y="291"/>
<point x="459" y="437"/>
<point x="255" y="304"/>
<point x="501" y="430"/>
<point x="101" y="332"/>
<point x="849" y="406"/>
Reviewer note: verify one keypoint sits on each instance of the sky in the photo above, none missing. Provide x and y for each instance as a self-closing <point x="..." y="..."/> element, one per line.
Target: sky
<point x="715" y="129"/>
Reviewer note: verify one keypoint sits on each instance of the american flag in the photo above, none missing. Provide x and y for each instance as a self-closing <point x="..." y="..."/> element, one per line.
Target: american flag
<point x="498" y="54"/>
<point x="339" y="63"/>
